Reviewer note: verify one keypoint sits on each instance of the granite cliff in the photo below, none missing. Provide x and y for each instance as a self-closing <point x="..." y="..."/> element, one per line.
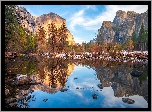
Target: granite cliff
<point x="122" y="26"/>
<point x="31" y="22"/>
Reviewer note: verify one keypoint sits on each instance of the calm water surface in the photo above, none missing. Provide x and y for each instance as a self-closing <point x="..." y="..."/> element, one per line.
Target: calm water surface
<point x="71" y="84"/>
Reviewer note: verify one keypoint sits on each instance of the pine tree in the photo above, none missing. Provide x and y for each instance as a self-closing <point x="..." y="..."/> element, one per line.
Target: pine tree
<point x="10" y="24"/>
<point x="141" y="37"/>
<point x="135" y="41"/>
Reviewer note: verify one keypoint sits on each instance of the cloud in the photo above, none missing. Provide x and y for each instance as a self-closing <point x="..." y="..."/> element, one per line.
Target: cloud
<point x="93" y="7"/>
<point x="63" y="13"/>
<point x="76" y="19"/>
<point x="108" y="14"/>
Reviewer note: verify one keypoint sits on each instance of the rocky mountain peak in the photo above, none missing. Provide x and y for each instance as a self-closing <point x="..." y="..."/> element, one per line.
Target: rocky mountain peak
<point x="122" y="26"/>
<point x="107" y="24"/>
<point x="121" y="14"/>
<point x="32" y="23"/>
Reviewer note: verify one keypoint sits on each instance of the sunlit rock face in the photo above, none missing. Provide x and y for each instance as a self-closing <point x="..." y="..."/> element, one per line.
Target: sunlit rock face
<point x="122" y="26"/>
<point x="32" y="23"/>
<point x="70" y="69"/>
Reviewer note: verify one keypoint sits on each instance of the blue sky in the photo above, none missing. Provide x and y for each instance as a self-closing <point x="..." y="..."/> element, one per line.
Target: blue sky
<point x="83" y="21"/>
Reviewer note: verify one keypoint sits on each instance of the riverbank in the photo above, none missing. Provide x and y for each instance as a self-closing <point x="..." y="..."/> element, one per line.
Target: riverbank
<point x="133" y="57"/>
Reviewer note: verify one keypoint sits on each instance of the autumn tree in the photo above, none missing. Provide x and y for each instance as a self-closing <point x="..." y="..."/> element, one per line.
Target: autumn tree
<point x="129" y="45"/>
<point x="41" y="42"/>
<point x="52" y="40"/>
<point x="63" y="36"/>
<point x="96" y="48"/>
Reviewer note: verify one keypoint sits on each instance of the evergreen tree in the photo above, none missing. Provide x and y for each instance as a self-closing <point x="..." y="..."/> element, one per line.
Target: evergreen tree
<point x="11" y="25"/>
<point x="141" y="37"/>
<point x="135" y="40"/>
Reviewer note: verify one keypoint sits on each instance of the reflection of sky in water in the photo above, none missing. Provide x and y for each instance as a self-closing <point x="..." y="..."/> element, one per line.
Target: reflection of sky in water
<point x="82" y="97"/>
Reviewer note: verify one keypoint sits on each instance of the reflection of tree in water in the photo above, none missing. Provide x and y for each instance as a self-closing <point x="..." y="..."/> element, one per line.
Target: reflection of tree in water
<point x="58" y="72"/>
<point x="117" y="75"/>
<point x="21" y="65"/>
<point x="52" y="75"/>
<point x="119" y="78"/>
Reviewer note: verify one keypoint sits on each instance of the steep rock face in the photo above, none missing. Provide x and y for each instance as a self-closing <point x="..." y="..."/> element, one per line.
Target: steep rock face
<point x="122" y="26"/>
<point x="106" y="32"/>
<point x="25" y="18"/>
<point x="32" y="23"/>
<point x="46" y="19"/>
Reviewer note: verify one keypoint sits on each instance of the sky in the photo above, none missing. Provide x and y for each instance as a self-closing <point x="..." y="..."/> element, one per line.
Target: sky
<point x="83" y="21"/>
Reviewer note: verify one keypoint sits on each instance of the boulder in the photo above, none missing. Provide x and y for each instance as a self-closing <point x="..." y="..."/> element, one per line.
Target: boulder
<point x="94" y="96"/>
<point x="136" y="73"/>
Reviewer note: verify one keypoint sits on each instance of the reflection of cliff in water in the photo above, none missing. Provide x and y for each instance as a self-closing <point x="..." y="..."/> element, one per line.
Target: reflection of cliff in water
<point x="117" y="75"/>
<point x="123" y="84"/>
<point x="53" y="74"/>
<point x="46" y="75"/>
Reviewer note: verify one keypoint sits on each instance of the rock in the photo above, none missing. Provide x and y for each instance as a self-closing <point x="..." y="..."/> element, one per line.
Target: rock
<point x="136" y="73"/>
<point x="13" y="105"/>
<point x="130" y="101"/>
<point x="32" y="23"/>
<point x="127" y="100"/>
<point x="77" y="88"/>
<point x="94" y="96"/>
<point x="63" y="89"/>
<point x="54" y="86"/>
<point x="100" y="86"/>
<point x="45" y="100"/>
<point x="75" y="78"/>
<point x="122" y="26"/>
<point x="7" y="93"/>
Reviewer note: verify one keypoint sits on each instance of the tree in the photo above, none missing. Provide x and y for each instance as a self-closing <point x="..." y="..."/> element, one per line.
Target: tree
<point x="96" y="48"/>
<point x="141" y="37"/>
<point x="63" y="37"/>
<point x="11" y="29"/>
<point x="135" y="40"/>
<point x="52" y="33"/>
<point x="10" y="20"/>
<point x="41" y="40"/>
<point x="146" y="39"/>
<point x="129" y="45"/>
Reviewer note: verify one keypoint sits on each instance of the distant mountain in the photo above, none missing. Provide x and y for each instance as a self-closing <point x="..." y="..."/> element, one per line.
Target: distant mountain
<point x="31" y="22"/>
<point x="122" y="26"/>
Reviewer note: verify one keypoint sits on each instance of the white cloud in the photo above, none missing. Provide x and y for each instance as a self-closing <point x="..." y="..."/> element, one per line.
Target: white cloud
<point x="63" y="13"/>
<point x="93" y="7"/>
<point x="108" y="15"/>
<point x="76" y="19"/>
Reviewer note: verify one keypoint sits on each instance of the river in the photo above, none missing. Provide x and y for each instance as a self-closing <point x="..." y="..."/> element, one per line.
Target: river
<point x="61" y="83"/>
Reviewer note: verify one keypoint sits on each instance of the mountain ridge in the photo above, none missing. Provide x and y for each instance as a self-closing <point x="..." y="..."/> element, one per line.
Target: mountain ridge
<point x="122" y="26"/>
<point x="32" y="23"/>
